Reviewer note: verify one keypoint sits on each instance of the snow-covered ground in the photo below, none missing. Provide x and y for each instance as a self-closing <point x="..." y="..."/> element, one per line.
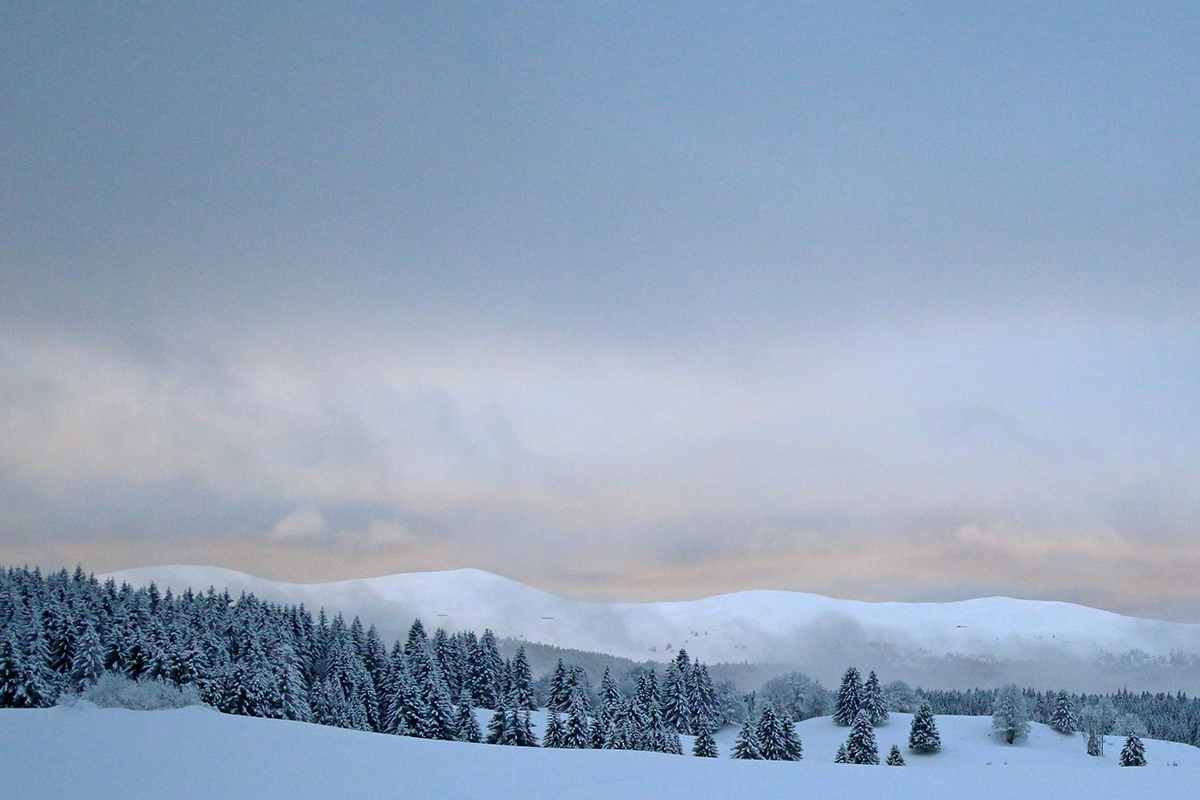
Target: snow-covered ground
<point x="1045" y="643"/>
<point x="115" y="754"/>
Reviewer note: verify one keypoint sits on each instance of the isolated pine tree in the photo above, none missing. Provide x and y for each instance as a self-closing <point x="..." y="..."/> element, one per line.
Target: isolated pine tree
<point x="1010" y="715"/>
<point x="861" y="747"/>
<point x="894" y="758"/>
<point x="1133" y="754"/>
<point x="923" y="735"/>
<point x="1063" y="719"/>
<point x="841" y="757"/>
<point x="849" y="697"/>
<point x="872" y="701"/>
<point x="1095" y="744"/>
<point x="704" y="746"/>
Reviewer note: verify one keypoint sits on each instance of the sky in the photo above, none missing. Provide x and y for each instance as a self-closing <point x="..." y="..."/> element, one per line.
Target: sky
<point x="626" y="301"/>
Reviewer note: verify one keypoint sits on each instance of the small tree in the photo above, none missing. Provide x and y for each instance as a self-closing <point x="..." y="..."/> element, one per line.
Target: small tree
<point x="894" y="758"/>
<point x="849" y="697"/>
<point x="705" y="746"/>
<point x="1010" y="715"/>
<point x="1063" y="719"/>
<point x="923" y="736"/>
<point x="554" y="730"/>
<point x="873" y="702"/>
<point x="841" y="758"/>
<point x="1133" y="754"/>
<point x="746" y="746"/>
<point x="861" y="747"/>
<point x="1095" y="744"/>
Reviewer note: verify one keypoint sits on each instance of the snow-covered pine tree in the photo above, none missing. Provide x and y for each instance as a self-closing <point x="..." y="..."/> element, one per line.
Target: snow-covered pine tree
<point x="1063" y="718"/>
<point x="849" y="697"/>
<point x="466" y="727"/>
<point x="553" y="736"/>
<point x="560" y="688"/>
<point x="894" y="758"/>
<point x="923" y="735"/>
<point x="523" y="727"/>
<point x="1010" y="715"/>
<point x="88" y="660"/>
<point x="1095" y="743"/>
<point x="706" y="714"/>
<point x="576" y="734"/>
<point x="1133" y="754"/>
<point x="746" y="746"/>
<point x="841" y="757"/>
<point x="793" y="748"/>
<point x="704" y="746"/>
<point x="499" y="728"/>
<point x="676" y="705"/>
<point x="873" y="702"/>
<point x="520" y="680"/>
<point x="861" y="747"/>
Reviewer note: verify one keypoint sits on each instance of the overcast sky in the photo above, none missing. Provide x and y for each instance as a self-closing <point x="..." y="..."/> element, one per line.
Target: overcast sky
<point x="624" y="301"/>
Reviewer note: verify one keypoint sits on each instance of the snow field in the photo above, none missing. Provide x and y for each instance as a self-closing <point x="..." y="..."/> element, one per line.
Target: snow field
<point x="116" y="754"/>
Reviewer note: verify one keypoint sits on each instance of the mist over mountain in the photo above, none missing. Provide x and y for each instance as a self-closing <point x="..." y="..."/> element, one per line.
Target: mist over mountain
<point x="981" y="642"/>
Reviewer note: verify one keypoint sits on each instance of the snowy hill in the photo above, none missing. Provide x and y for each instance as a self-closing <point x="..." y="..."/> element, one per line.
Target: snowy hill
<point x="85" y="751"/>
<point x="975" y="642"/>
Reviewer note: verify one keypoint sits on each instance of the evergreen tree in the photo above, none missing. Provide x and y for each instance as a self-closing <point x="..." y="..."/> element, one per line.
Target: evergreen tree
<point x="576" y="734"/>
<point x="861" y="747"/>
<point x="500" y="729"/>
<point x="1010" y="717"/>
<point x="894" y="758"/>
<point x="465" y="724"/>
<point x="88" y="660"/>
<point x="520" y="680"/>
<point x="849" y="698"/>
<point x="1063" y="719"/>
<point x="560" y="688"/>
<point x="554" y="730"/>
<point x="1133" y="754"/>
<point x="676" y="705"/>
<point x="1095" y="743"/>
<point x="873" y="702"/>
<point x="841" y="757"/>
<point x="746" y="746"/>
<point x="704" y="746"/>
<point x="923" y="735"/>
<point x="706" y="713"/>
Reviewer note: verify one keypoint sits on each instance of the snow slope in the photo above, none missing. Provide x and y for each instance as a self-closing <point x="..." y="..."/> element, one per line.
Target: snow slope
<point x="975" y="642"/>
<point x="115" y="754"/>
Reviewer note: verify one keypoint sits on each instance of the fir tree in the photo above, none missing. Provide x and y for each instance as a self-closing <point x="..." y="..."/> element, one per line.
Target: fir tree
<point x="894" y="758"/>
<point x="1010" y="715"/>
<point x="861" y="747"/>
<point x="520" y="680"/>
<point x="704" y="746"/>
<point x="466" y="727"/>
<point x="560" y="688"/>
<point x="1133" y="754"/>
<point x="849" y="698"/>
<point x="746" y="746"/>
<point x="554" y="730"/>
<point x="923" y="735"/>
<point x="576" y="734"/>
<point x="873" y="702"/>
<point x="841" y="757"/>
<point x="1095" y="743"/>
<point x="1063" y="719"/>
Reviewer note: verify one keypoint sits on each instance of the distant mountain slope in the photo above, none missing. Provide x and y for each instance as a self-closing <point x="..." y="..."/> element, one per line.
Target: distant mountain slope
<point x="973" y="642"/>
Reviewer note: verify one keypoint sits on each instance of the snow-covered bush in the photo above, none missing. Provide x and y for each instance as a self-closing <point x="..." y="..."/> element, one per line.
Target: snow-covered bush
<point x="117" y="691"/>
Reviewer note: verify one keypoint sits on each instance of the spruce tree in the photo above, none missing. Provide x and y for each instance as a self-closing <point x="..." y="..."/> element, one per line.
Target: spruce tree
<point x="841" y="757"/>
<point x="923" y="735"/>
<point x="560" y="688"/>
<point x="1010" y="715"/>
<point x="576" y="734"/>
<point x="1133" y="754"/>
<point x="465" y="725"/>
<point x="873" y="702"/>
<point x="1095" y="743"/>
<point x="554" y="730"/>
<point x="894" y="758"/>
<point x="1063" y="719"/>
<point x="746" y="746"/>
<point x="861" y="747"/>
<point x="520" y="679"/>
<point x="704" y="746"/>
<point x="849" y="697"/>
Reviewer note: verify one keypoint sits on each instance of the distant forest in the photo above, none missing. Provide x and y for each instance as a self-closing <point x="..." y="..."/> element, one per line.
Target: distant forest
<point x="59" y="634"/>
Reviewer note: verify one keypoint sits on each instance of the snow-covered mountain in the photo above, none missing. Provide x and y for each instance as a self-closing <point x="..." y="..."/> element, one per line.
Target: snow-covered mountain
<point x="973" y="642"/>
<point x="84" y="751"/>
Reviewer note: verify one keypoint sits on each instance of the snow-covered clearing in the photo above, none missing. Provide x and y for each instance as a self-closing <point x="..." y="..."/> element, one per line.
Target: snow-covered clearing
<point x="116" y="754"/>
